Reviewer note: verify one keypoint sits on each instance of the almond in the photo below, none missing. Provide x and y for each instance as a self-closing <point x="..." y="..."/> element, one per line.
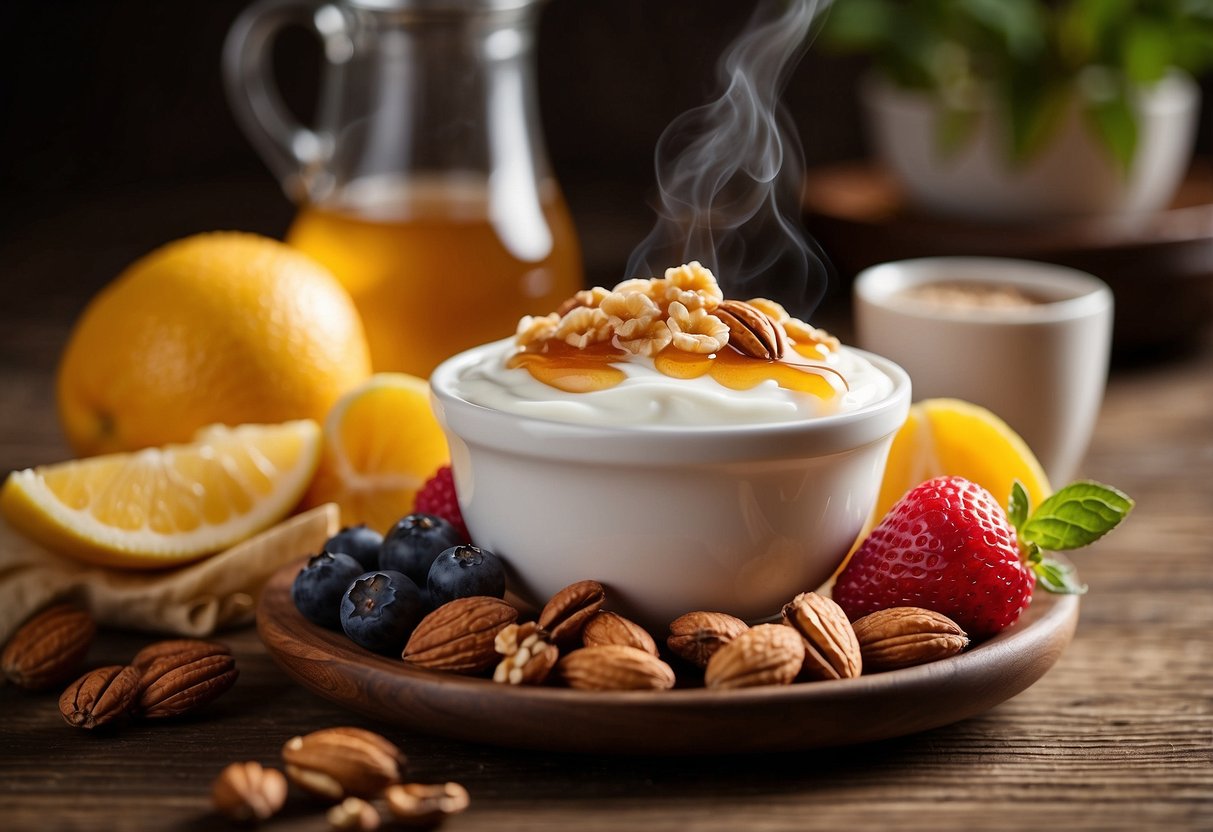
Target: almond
<point x="458" y="636"/>
<point x="609" y="628"/>
<point x="907" y="636"/>
<point x="696" y="636"/>
<point x="567" y="612"/>
<point x="100" y="696"/>
<point x="769" y="654"/>
<point x="615" y="667"/>
<point x="48" y="648"/>
<point x="336" y="763"/>
<point x="831" y="648"/>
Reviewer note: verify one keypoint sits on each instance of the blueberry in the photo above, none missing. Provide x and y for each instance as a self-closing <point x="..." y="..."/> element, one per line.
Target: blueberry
<point x="380" y="609"/>
<point x="360" y="543"/>
<point x="319" y="586"/>
<point x="465" y="570"/>
<point x="413" y="543"/>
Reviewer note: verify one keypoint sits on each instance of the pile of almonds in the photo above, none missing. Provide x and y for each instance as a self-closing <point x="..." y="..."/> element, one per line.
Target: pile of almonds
<point x="165" y="679"/>
<point x="349" y="768"/>
<point x="576" y="642"/>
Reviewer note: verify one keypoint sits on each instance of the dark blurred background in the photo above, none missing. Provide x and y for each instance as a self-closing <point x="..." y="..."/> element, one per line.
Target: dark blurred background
<point x="116" y="134"/>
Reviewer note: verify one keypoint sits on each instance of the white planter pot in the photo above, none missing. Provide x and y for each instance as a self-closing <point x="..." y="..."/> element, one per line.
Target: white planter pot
<point x="1073" y="175"/>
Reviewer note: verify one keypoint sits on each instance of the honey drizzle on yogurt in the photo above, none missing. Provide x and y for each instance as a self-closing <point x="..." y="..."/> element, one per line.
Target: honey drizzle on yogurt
<point x="591" y="368"/>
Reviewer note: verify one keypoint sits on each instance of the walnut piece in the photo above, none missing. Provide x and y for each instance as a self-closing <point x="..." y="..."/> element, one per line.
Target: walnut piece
<point x="696" y="331"/>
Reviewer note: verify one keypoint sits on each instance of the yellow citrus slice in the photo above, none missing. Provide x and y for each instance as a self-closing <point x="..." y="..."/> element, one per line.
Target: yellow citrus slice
<point x="955" y="438"/>
<point x="166" y="506"/>
<point x="381" y="443"/>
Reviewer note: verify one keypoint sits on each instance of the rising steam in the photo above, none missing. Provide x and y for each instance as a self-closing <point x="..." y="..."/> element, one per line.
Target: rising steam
<point x="730" y="173"/>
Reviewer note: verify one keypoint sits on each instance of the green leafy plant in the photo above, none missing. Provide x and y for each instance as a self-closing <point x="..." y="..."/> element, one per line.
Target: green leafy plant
<point x="1032" y="56"/>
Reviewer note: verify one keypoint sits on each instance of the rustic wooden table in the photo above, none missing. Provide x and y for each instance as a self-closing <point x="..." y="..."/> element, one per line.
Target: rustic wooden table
<point x="1119" y="735"/>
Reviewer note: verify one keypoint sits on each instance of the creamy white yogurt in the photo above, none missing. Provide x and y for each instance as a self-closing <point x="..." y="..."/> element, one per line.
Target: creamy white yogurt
<point x="649" y="397"/>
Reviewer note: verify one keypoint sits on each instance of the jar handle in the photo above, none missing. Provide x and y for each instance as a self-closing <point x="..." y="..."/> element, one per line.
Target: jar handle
<point x="294" y="153"/>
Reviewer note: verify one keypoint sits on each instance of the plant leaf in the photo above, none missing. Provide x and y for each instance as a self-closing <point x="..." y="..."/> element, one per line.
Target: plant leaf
<point x="1148" y="51"/>
<point x="1076" y="516"/>
<point x="1058" y="577"/>
<point x="1017" y="505"/>
<point x="1116" y="126"/>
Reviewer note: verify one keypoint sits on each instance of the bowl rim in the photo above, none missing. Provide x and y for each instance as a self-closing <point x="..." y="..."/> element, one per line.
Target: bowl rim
<point x="1071" y="294"/>
<point x="529" y="435"/>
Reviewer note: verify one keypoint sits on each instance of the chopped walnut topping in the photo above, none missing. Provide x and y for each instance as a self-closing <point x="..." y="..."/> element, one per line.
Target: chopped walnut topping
<point x="651" y="286"/>
<point x="534" y="328"/>
<point x="696" y="331"/>
<point x="584" y="326"/>
<point x="693" y="286"/>
<point x="773" y="310"/>
<point x="529" y="655"/>
<point x="804" y="334"/>
<point x="592" y="298"/>
<point x="646" y="337"/>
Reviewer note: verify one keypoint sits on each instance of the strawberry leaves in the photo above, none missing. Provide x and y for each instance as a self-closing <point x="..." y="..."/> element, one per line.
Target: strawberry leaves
<point x="1073" y="517"/>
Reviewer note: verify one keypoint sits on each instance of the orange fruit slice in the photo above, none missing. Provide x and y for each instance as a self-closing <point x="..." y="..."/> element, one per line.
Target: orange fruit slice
<point x="950" y="437"/>
<point x="381" y="443"/>
<point x="166" y="506"/>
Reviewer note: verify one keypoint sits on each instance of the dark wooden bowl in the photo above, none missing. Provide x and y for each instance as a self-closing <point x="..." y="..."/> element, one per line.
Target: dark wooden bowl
<point x="683" y="721"/>
<point x="1160" y="267"/>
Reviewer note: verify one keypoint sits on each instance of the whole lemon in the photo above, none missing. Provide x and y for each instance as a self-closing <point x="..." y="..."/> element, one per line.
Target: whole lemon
<point x="221" y="327"/>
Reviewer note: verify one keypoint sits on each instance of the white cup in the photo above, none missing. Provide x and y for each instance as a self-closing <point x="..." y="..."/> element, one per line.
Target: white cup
<point x="1041" y="368"/>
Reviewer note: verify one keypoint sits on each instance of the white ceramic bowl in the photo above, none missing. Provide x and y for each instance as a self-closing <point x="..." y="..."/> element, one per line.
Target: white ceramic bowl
<point x="734" y="519"/>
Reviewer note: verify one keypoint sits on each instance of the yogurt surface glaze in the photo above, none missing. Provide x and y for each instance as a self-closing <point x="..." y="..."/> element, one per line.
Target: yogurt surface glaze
<point x="648" y="397"/>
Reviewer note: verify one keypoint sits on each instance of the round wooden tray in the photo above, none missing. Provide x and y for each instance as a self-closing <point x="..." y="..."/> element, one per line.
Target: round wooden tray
<point x="683" y="721"/>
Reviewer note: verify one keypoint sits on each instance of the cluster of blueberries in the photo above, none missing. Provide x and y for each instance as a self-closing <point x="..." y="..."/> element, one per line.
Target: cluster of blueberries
<point x="378" y="587"/>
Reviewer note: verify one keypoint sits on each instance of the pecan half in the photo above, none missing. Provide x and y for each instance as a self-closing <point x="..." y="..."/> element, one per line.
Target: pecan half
<point x="609" y="628"/>
<point x="458" y="636"/>
<point x="191" y="646"/>
<point x="422" y="804"/>
<point x="529" y="655"/>
<point x="769" y="654"/>
<point x="696" y="636"/>
<point x="353" y="815"/>
<point x="615" y="667"/>
<point x="100" y="696"/>
<point x="245" y="792"/>
<point x="906" y="636"/>
<point x="831" y="648"/>
<point x="751" y="330"/>
<point x="48" y="648"/>
<point x="569" y="609"/>
<point x="335" y="763"/>
<point x="181" y="682"/>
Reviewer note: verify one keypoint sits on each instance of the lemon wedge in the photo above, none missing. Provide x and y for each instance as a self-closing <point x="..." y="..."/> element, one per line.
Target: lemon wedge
<point x="381" y="443"/>
<point x="950" y="437"/>
<point x="166" y="506"/>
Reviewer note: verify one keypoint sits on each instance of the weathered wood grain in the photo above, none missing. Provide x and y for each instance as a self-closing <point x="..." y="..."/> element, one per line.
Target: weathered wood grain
<point x="1118" y="736"/>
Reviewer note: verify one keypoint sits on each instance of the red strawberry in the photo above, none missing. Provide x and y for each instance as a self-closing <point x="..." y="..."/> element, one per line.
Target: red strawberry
<point x="438" y="497"/>
<point x="947" y="546"/>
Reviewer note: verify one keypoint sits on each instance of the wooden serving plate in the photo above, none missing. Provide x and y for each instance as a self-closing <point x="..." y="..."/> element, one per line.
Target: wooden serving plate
<point x="683" y="721"/>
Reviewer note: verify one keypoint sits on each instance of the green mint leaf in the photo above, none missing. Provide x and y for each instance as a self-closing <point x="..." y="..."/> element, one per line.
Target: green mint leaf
<point x="1076" y="516"/>
<point x="1058" y="577"/>
<point x="1017" y="505"/>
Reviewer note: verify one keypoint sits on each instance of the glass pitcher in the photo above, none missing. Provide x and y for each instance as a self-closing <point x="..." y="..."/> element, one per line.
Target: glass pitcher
<point x="424" y="185"/>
